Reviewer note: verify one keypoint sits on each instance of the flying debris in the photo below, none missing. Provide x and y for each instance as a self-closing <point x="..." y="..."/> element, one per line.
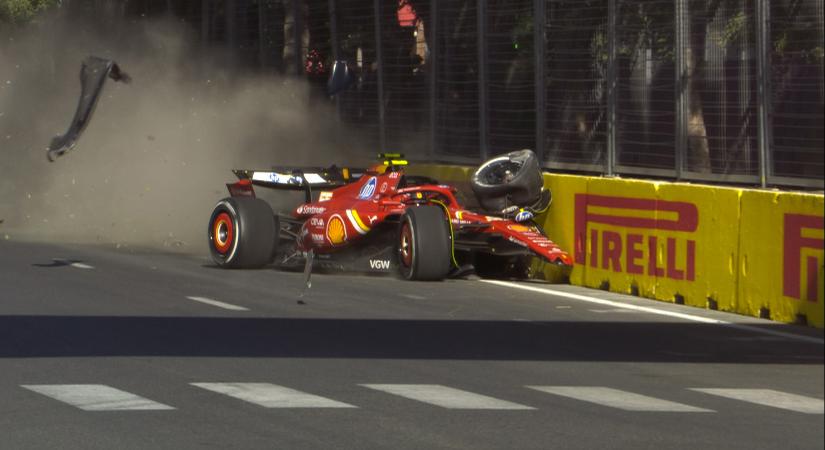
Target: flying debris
<point x="93" y="74"/>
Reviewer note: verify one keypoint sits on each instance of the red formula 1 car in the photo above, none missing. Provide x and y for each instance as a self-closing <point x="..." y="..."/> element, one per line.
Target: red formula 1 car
<point x="382" y="220"/>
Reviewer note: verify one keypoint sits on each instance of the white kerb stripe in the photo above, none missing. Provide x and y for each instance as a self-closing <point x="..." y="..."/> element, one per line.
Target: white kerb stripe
<point x="445" y="396"/>
<point x="96" y="397"/>
<point x="660" y="312"/>
<point x="615" y="398"/>
<point x="769" y="397"/>
<point x="223" y="305"/>
<point x="272" y="396"/>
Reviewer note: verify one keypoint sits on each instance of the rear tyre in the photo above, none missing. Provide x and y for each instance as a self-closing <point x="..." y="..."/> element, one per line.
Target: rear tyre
<point x="424" y="246"/>
<point x="242" y="233"/>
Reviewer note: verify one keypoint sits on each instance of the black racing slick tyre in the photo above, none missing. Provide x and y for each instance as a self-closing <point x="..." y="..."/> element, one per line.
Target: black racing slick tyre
<point x="424" y="244"/>
<point x="242" y="233"/>
<point x="511" y="179"/>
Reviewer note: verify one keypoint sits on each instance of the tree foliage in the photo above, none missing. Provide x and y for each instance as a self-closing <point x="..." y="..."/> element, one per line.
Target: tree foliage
<point x="23" y="11"/>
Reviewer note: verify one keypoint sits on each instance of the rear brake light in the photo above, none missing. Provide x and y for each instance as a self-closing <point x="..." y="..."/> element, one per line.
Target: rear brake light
<point x="242" y="188"/>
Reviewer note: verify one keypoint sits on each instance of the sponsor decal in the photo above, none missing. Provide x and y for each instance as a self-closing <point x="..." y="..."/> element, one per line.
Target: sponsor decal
<point x="518" y="228"/>
<point x="310" y="209"/>
<point x="799" y="246"/>
<point x="523" y="216"/>
<point x="313" y="178"/>
<point x="325" y="196"/>
<point x="316" y="222"/>
<point x="271" y="177"/>
<point x="368" y="189"/>
<point x="356" y="222"/>
<point x="336" y="230"/>
<point x="516" y="241"/>
<point x="316" y="237"/>
<point x="379" y="264"/>
<point x="609" y="250"/>
<point x="394" y="175"/>
<point x="372" y="219"/>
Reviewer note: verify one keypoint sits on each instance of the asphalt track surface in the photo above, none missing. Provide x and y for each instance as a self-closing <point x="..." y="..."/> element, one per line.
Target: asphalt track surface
<point x="104" y="348"/>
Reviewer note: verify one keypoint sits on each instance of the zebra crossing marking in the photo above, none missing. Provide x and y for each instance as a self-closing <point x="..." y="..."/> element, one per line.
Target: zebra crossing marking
<point x="96" y="397"/>
<point x="272" y="395"/>
<point x="446" y="397"/>
<point x="619" y="399"/>
<point x="770" y="397"/>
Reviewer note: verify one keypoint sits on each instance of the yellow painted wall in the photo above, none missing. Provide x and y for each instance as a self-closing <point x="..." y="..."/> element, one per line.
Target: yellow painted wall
<point x="779" y="228"/>
<point x="718" y="247"/>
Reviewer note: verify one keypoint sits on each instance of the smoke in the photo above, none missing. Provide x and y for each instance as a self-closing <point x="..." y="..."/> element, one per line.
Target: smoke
<point x="157" y="153"/>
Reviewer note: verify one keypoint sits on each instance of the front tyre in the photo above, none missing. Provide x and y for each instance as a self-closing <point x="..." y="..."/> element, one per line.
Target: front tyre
<point x="424" y="245"/>
<point x="242" y="233"/>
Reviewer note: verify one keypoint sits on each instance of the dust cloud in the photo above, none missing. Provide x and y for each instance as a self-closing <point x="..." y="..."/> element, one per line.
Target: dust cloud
<point x="157" y="153"/>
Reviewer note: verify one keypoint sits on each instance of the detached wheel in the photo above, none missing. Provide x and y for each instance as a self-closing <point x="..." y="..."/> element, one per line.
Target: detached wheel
<point x="424" y="247"/>
<point x="242" y="233"/>
<point x="511" y="179"/>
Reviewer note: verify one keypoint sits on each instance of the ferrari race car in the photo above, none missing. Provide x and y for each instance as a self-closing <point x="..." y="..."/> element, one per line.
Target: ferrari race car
<point x="383" y="220"/>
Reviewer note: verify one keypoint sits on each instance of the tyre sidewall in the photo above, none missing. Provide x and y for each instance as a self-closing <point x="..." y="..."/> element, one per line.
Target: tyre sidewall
<point x="254" y="237"/>
<point x="431" y="245"/>
<point x="224" y="259"/>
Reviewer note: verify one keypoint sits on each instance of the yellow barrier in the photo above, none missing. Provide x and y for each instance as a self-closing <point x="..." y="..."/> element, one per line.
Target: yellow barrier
<point x="758" y="253"/>
<point x="781" y="256"/>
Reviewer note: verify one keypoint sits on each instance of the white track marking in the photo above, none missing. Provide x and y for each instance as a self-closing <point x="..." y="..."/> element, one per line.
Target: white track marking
<point x="609" y="311"/>
<point x="223" y="305"/>
<point x="76" y="265"/>
<point x="272" y="396"/>
<point x="769" y="397"/>
<point x="615" y="398"/>
<point x="445" y="396"/>
<point x="96" y="397"/>
<point x="660" y="312"/>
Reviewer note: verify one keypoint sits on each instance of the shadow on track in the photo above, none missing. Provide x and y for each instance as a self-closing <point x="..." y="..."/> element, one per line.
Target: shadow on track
<point x="89" y="336"/>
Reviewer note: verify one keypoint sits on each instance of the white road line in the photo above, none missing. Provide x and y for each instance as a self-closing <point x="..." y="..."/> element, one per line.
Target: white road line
<point x="615" y="398"/>
<point x="609" y="311"/>
<point x="446" y="397"/>
<point x="96" y="397"/>
<point x="77" y="265"/>
<point x="223" y="305"/>
<point x="272" y="396"/>
<point x="769" y="397"/>
<point x="660" y="312"/>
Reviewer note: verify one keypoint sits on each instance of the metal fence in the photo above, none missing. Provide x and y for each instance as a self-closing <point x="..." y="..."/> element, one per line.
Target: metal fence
<point x="714" y="90"/>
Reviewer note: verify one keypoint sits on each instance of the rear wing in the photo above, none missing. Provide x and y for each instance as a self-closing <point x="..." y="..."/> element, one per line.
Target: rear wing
<point x="299" y="178"/>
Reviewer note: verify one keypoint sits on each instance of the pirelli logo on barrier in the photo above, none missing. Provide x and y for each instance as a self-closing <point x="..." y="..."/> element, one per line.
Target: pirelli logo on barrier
<point x="802" y="254"/>
<point x="648" y="222"/>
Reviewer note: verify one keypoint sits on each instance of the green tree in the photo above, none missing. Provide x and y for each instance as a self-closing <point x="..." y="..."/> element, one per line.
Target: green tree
<point x="23" y="11"/>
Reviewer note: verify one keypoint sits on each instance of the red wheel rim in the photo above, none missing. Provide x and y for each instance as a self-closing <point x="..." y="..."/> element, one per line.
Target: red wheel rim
<point x="405" y="246"/>
<point x="223" y="232"/>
